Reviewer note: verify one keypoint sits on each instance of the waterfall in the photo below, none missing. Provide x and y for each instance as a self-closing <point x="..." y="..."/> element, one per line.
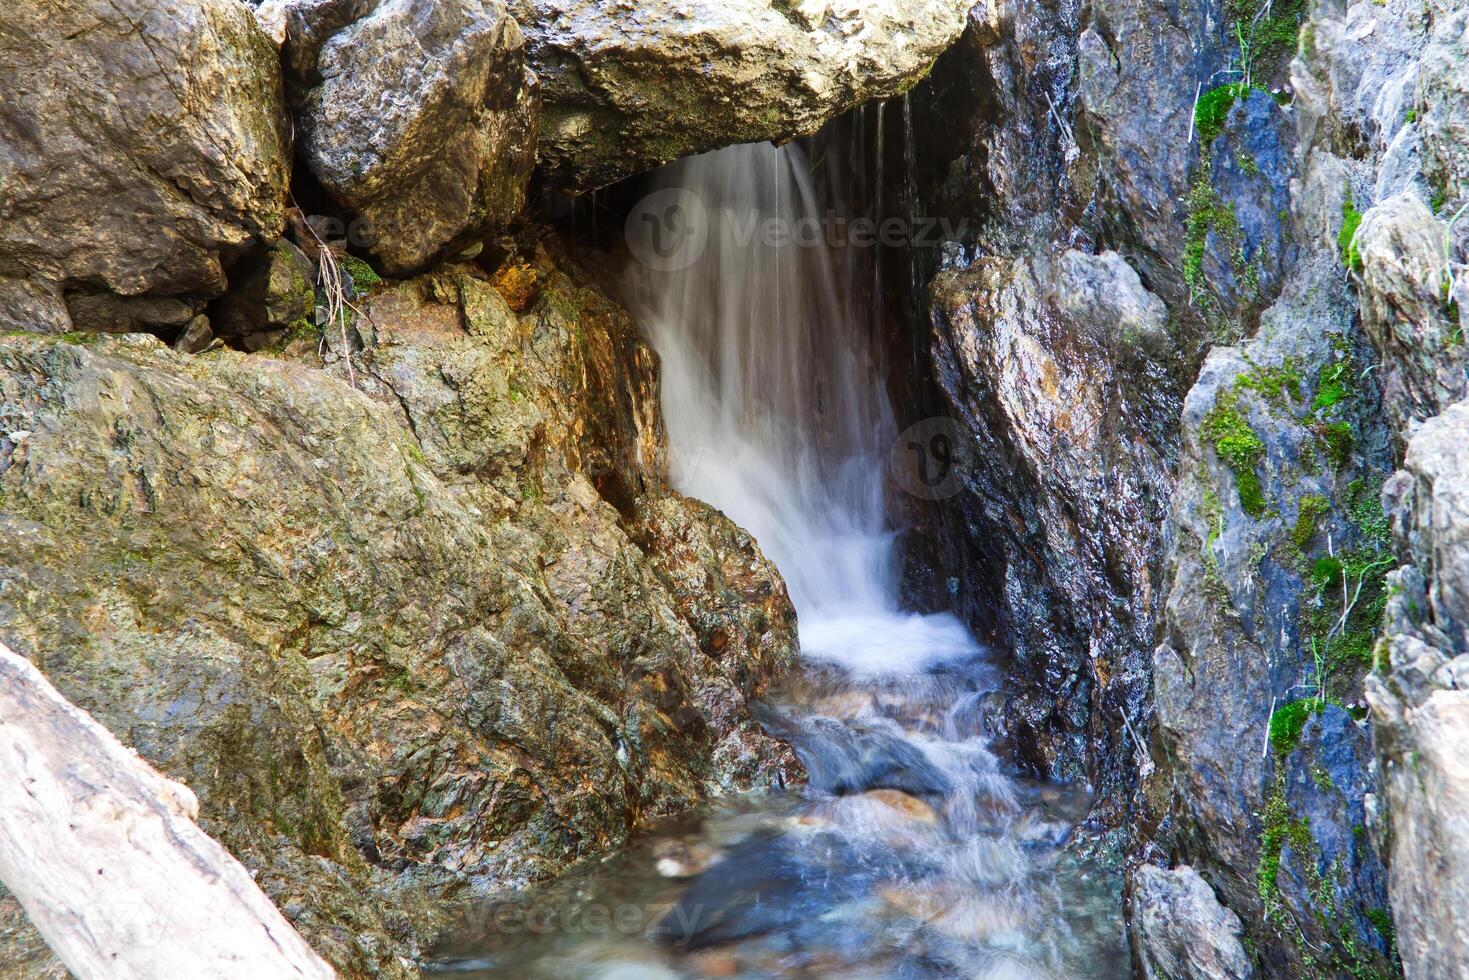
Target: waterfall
<point x="910" y="850"/>
<point x="774" y="392"/>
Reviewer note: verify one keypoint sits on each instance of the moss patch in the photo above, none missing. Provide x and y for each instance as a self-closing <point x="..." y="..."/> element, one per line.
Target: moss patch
<point x="1312" y="508"/>
<point x="1239" y="448"/>
<point x="1213" y="109"/>
<point x="1346" y="240"/>
<point x="1339" y="439"/>
<point x="363" y="276"/>
<point x="1206" y="212"/>
<point x="1289" y="720"/>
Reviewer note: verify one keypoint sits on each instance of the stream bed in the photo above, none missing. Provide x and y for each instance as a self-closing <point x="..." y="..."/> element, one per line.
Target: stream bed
<point x="910" y="854"/>
<point x="912" y="851"/>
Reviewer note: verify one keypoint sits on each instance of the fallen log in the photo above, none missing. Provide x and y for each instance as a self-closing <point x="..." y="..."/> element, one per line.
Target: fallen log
<point x="105" y="856"/>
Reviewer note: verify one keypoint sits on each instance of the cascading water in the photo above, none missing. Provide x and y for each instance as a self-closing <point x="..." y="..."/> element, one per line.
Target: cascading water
<point x="775" y="402"/>
<point x="911" y="853"/>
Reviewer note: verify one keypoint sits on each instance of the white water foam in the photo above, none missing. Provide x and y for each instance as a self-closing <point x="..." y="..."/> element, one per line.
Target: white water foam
<point x="774" y="398"/>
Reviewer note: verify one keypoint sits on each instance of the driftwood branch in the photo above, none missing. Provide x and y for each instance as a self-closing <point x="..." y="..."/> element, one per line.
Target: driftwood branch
<point x="104" y="855"/>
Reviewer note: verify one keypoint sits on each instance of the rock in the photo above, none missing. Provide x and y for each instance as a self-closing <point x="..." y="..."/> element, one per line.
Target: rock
<point x="854" y="758"/>
<point x="1405" y="272"/>
<point x="1036" y="356"/>
<point x="420" y="119"/>
<point x="1246" y="622"/>
<point x="1179" y="930"/>
<point x="1443" y="98"/>
<point x="147" y="144"/>
<point x="395" y="638"/>
<point x="195" y="337"/>
<point x="32" y="306"/>
<point x="1420" y="713"/>
<point x="629" y="87"/>
<point x="273" y="292"/>
<point x="110" y="313"/>
<point x="909" y="807"/>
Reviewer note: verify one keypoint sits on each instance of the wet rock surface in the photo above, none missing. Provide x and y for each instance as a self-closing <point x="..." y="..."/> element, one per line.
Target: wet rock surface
<point x="145" y="148"/>
<point x="1258" y="190"/>
<point x="630" y="87"/>
<point x="1182" y="932"/>
<point x="982" y="875"/>
<point x="1034" y="355"/>
<point x="396" y="638"/>
<point x="419" y="117"/>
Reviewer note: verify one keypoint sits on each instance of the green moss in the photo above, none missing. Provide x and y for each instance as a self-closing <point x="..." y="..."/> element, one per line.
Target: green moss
<point x="1289" y="720"/>
<point x="1365" y="503"/>
<point x="363" y="276"/>
<point x="1339" y="440"/>
<point x="1267" y="32"/>
<point x="1278" y="384"/>
<point x="1239" y="448"/>
<point x="1346" y="240"/>
<point x="1280" y="829"/>
<point x="1322" y="779"/>
<point x="1381" y="920"/>
<point x="1334" y="385"/>
<point x="1213" y="109"/>
<point x="1312" y="508"/>
<point x="1206" y="212"/>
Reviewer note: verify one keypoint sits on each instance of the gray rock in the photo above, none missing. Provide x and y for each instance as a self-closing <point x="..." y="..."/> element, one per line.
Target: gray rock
<point x="420" y="121"/>
<point x="1034" y="356"/>
<point x="110" y="313"/>
<point x="1420" y="713"/>
<point x="32" y="306"/>
<point x="195" y="337"/>
<point x="1443" y="100"/>
<point x="1242" y="633"/>
<point x="1405" y="274"/>
<point x="1179" y="930"/>
<point x="631" y="86"/>
<point x="145" y="143"/>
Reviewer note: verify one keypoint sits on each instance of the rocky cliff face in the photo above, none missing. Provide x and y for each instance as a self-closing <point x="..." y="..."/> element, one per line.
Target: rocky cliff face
<point x="432" y="636"/>
<point x="1297" y="219"/>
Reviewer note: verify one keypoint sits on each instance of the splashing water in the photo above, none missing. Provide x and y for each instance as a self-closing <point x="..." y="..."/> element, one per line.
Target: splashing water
<point x="911" y="852"/>
<point x="775" y="404"/>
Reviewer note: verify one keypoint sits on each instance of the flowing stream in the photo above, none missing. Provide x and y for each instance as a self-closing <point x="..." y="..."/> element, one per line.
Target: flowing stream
<point x="912" y="852"/>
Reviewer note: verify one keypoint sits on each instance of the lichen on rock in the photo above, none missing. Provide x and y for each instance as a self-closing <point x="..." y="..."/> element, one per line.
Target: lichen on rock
<point x="429" y="639"/>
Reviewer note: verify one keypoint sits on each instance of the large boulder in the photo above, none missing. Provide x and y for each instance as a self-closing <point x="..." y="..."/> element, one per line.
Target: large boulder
<point x="418" y="116"/>
<point x="1443" y="95"/>
<point x="1404" y="259"/>
<point x="142" y="146"/>
<point x="631" y="86"/>
<point x="433" y="636"/>
<point x="1037" y="357"/>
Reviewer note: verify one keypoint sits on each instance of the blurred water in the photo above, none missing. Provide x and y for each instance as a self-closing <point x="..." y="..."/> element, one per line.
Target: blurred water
<point x="912" y="852"/>
<point x="775" y="403"/>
